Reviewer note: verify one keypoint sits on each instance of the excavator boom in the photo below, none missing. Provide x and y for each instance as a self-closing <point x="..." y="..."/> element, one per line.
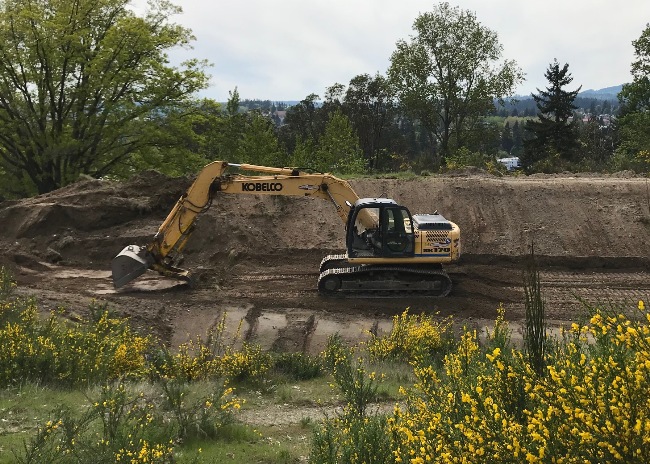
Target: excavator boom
<point x="175" y="230"/>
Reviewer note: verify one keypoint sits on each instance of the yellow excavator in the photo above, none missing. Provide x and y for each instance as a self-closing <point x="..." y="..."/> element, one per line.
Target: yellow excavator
<point x="389" y="251"/>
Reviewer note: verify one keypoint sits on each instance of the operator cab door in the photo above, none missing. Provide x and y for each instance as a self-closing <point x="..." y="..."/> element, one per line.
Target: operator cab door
<point x="397" y="232"/>
<point x="380" y="230"/>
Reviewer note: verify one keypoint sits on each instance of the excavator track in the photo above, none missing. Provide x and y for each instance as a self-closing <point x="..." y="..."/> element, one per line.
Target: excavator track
<point x="334" y="261"/>
<point x="382" y="281"/>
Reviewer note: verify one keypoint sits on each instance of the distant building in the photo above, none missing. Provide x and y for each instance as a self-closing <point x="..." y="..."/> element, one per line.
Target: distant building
<point x="280" y="115"/>
<point x="510" y="163"/>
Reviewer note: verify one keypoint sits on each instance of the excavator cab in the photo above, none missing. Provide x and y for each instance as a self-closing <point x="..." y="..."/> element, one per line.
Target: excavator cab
<point x="379" y="228"/>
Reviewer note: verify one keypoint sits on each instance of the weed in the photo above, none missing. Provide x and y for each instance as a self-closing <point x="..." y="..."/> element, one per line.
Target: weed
<point x="535" y="334"/>
<point x="299" y="366"/>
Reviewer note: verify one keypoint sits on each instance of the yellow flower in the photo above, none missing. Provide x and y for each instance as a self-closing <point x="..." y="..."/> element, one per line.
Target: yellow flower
<point x="641" y="305"/>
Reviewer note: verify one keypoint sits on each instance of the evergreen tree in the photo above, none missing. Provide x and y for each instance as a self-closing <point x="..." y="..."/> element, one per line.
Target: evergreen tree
<point x="552" y="137"/>
<point x="259" y="144"/>
<point x="233" y="128"/>
<point x="338" y="149"/>
<point x="506" y="138"/>
<point x="593" y="111"/>
<point x="607" y="107"/>
<point x="517" y="140"/>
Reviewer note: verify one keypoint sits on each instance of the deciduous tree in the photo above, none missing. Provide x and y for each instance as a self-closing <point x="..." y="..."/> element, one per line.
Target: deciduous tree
<point x="79" y="82"/>
<point x="369" y="106"/>
<point x="448" y="75"/>
<point x="338" y="149"/>
<point x="634" y="122"/>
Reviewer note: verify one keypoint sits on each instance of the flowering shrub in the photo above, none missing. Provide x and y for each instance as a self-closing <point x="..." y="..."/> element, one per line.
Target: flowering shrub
<point x="489" y="404"/>
<point x="124" y="426"/>
<point x="65" y="353"/>
<point x="352" y="439"/>
<point x="464" y="413"/>
<point x="593" y="406"/>
<point x="119" y="427"/>
<point x="412" y="337"/>
<point x="196" y="360"/>
<point x="352" y="436"/>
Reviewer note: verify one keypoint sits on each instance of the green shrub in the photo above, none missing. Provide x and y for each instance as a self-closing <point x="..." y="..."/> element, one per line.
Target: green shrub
<point x="299" y="366"/>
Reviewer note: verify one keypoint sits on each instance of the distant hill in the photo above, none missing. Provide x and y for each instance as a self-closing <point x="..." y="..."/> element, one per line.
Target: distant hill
<point x="587" y="100"/>
<point x="608" y="93"/>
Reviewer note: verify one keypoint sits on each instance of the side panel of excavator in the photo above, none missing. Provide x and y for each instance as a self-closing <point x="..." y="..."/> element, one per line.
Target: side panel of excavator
<point x="436" y="238"/>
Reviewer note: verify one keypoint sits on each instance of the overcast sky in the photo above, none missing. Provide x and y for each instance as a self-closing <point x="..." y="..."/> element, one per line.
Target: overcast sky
<point x="288" y="49"/>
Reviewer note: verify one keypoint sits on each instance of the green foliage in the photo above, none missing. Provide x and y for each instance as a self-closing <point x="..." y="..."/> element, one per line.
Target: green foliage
<point x="634" y="149"/>
<point x="122" y="425"/>
<point x="213" y="357"/>
<point x="463" y="158"/>
<point x="82" y="83"/>
<point x="358" y="387"/>
<point x="412" y="337"/>
<point x="118" y="427"/>
<point x="7" y="287"/>
<point x="202" y="417"/>
<point x="535" y="332"/>
<point x="299" y="366"/>
<point x="449" y="73"/>
<point x="304" y="122"/>
<point x="58" y="352"/>
<point x="338" y="149"/>
<point x="633" y="153"/>
<point x="369" y="105"/>
<point x="303" y="154"/>
<point x="352" y="435"/>
<point x="501" y="335"/>
<point x="352" y="439"/>
<point x="552" y="133"/>
<point x="259" y="144"/>
<point x="181" y="139"/>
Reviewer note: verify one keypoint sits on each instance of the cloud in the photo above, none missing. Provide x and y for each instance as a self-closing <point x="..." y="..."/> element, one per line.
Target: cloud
<point x="288" y="49"/>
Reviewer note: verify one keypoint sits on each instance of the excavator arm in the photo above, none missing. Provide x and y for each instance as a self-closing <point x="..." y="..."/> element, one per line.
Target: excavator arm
<point x="214" y="178"/>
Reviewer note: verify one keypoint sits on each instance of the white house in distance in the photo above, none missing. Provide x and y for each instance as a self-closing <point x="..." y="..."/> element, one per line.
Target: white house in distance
<point x="510" y="163"/>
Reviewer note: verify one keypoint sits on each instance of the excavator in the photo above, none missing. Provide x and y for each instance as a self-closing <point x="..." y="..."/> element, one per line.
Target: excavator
<point x="389" y="251"/>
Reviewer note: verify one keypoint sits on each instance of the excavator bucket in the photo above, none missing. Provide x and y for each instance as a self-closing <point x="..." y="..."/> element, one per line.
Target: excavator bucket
<point x="130" y="263"/>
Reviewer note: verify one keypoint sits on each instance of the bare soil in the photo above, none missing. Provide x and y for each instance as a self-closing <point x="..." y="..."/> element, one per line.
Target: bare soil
<point x="256" y="258"/>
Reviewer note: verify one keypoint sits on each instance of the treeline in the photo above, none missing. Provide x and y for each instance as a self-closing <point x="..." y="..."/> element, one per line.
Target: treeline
<point x="89" y="93"/>
<point x="517" y="107"/>
<point x="527" y="108"/>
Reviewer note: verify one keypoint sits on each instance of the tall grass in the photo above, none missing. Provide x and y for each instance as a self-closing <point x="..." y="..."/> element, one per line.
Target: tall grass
<point x="535" y="338"/>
